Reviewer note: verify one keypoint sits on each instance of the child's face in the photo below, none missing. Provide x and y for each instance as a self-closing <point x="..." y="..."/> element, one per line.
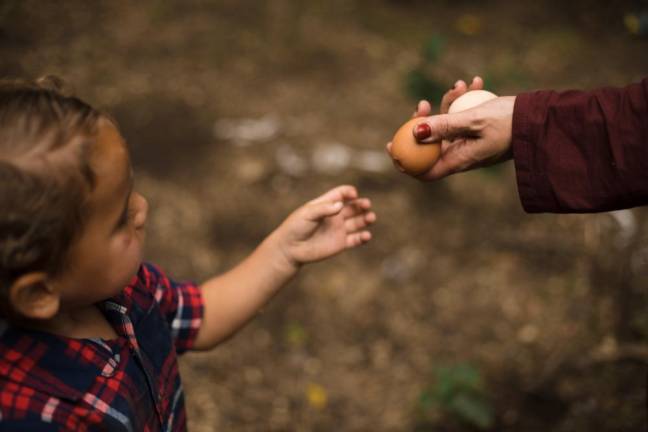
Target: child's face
<point x="109" y="251"/>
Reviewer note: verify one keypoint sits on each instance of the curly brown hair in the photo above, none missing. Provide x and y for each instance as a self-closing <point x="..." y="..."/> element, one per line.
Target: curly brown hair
<point x="45" y="138"/>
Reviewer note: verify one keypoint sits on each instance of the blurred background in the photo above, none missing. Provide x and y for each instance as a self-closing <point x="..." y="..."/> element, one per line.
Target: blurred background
<point x="464" y="313"/>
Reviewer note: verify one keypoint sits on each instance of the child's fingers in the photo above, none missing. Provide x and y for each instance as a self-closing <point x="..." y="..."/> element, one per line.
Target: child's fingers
<point x="356" y="206"/>
<point x="340" y="193"/>
<point x="359" y="222"/>
<point x="358" y="238"/>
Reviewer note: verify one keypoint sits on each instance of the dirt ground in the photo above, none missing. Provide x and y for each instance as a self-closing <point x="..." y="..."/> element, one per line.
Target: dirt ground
<point x="238" y="111"/>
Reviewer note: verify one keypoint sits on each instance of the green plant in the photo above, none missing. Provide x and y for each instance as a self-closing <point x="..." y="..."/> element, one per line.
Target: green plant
<point x="421" y="86"/>
<point x="458" y="391"/>
<point x="433" y="48"/>
<point x="420" y="82"/>
<point x="295" y="334"/>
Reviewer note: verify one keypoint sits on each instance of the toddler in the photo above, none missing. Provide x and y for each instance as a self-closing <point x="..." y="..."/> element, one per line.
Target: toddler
<point x="89" y="335"/>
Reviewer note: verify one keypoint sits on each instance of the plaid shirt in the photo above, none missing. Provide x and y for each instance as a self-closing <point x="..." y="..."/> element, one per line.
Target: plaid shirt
<point x="53" y="383"/>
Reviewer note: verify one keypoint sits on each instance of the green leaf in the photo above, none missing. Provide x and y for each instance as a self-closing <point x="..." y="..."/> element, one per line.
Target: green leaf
<point x="472" y="409"/>
<point x="425" y="400"/>
<point x="445" y="385"/>
<point x="433" y="48"/>
<point x="453" y="379"/>
<point x="419" y="86"/>
<point x="295" y="334"/>
<point x="467" y="377"/>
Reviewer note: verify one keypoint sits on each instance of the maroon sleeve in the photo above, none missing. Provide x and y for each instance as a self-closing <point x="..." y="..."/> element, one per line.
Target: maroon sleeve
<point x="578" y="152"/>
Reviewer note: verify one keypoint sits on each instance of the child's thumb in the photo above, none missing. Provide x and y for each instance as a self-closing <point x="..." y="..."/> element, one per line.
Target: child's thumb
<point x="323" y="209"/>
<point x="443" y="126"/>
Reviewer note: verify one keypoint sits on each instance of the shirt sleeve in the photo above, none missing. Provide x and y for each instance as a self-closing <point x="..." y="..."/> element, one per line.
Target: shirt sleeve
<point x="181" y="303"/>
<point x="578" y="151"/>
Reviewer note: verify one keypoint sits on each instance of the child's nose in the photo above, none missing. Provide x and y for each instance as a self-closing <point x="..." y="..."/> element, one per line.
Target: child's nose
<point x="142" y="211"/>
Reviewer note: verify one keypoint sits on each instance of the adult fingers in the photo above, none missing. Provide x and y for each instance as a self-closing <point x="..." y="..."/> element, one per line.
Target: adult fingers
<point x="477" y="83"/>
<point x="451" y="95"/>
<point x="423" y="108"/>
<point x="445" y="126"/>
<point x="455" y="157"/>
<point x="457" y="90"/>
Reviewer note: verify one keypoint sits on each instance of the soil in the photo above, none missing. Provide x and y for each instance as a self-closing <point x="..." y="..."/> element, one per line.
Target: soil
<point x="238" y="111"/>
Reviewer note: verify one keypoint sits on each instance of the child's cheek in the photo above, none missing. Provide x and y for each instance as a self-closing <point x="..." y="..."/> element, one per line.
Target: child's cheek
<point x="123" y="240"/>
<point x="128" y="248"/>
<point x="123" y="243"/>
<point x="134" y="242"/>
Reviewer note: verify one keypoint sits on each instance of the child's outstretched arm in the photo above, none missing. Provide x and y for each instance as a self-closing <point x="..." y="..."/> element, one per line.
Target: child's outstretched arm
<point x="319" y="229"/>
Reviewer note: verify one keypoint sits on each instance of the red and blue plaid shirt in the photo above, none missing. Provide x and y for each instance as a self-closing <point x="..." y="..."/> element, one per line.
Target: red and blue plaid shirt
<point x="53" y="383"/>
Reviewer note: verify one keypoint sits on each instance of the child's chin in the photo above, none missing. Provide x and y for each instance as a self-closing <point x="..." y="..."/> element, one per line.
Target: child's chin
<point x="134" y="267"/>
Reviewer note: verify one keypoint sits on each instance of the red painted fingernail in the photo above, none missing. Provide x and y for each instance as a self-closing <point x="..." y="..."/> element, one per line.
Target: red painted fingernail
<point x="422" y="131"/>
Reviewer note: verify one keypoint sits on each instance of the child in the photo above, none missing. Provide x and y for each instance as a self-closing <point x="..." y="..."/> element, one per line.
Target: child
<point x="89" y="334"/>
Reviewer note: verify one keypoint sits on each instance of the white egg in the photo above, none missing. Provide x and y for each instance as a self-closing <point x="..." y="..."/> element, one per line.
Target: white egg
<point x="470" y="99"/>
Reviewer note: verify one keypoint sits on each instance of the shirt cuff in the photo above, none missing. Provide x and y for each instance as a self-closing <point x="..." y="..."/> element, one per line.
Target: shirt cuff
<point x="534" y="188"/>
<point x="189" y="318"/>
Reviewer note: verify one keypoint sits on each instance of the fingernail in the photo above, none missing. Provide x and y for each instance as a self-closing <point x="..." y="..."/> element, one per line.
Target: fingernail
<point x="422" y="131"/>
<point x="456" y="84"/>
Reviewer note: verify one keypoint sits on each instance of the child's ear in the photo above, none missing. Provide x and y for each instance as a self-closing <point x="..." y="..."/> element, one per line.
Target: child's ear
<point x="32" y="296"/>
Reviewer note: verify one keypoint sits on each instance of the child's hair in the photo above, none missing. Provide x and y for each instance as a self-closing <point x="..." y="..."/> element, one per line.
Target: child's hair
<point x="45" y="177"/>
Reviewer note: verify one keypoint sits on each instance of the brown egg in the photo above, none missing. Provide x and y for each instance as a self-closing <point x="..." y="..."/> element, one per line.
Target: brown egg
<point x="412" y="157"/>
<point x="470" y="99"/>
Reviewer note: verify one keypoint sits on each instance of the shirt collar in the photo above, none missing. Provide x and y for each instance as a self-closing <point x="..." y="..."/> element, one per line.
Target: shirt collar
<point x="56" y="365"/>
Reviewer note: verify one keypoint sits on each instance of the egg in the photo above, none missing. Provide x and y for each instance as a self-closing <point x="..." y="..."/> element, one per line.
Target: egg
<point x="410" y="156"/>
<point x="416" y="158"/>
<point x="470" y="99"/>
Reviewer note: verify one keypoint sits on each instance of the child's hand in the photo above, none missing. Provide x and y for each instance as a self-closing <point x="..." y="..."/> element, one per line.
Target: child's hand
<point x="325" y="226"/>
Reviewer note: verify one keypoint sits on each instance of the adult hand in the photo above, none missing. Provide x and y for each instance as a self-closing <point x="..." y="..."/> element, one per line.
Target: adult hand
<point x="470" y="139"/>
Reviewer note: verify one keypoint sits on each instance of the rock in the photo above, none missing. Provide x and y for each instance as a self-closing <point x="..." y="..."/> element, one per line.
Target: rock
<point x="331" y="158"/>
<point x="244" y="132"/>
